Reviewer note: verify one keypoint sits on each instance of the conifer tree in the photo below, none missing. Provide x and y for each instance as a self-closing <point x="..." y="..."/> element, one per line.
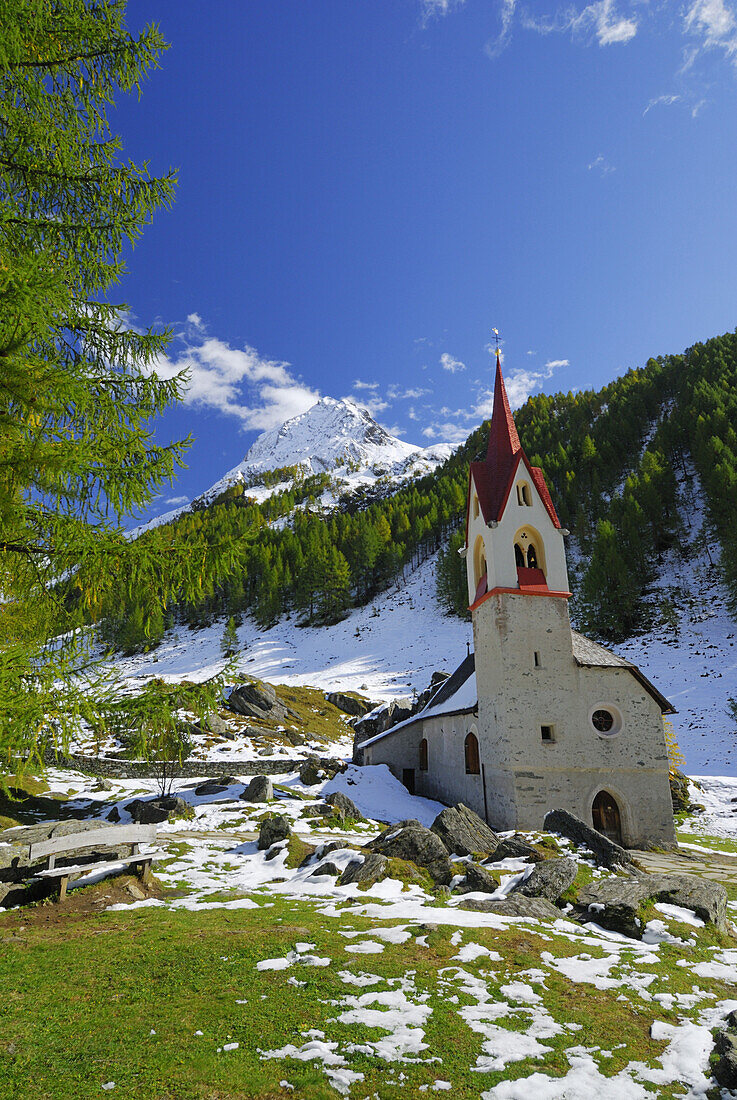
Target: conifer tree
<point x="229" y="641"/>
<point x="78" y="386"/>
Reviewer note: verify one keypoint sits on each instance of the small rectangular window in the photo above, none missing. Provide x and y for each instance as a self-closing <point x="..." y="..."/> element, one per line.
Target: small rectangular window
<point x="547" y="733"/>
<point x="538" y="662"/>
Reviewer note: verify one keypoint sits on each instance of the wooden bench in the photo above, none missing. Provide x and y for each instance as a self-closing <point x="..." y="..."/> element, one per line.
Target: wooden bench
<point x="106" y="837"/>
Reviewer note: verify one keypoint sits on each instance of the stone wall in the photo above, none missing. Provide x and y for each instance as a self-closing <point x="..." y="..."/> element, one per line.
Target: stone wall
<point x="189" y="769"/>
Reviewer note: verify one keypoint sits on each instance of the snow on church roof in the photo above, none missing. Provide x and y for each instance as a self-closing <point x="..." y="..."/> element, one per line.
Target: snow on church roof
<point x="455" y="695"/>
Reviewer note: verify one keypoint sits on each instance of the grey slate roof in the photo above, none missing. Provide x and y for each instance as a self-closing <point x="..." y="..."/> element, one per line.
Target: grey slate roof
<point x="589" y="654"/>
<point x="452" y="685"/>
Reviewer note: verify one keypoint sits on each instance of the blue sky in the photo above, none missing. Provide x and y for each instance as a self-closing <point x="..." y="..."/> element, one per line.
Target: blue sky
<point x="367" y="187"/>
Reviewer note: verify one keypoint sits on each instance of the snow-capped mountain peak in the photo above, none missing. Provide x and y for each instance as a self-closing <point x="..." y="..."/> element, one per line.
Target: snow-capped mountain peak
<point x="334" y="436"/>
<point x="331" y="433"/>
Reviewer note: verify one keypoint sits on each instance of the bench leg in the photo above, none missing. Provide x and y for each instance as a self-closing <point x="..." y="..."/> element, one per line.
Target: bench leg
<point x="144" y="870"/>
<point x="63" y="887"/>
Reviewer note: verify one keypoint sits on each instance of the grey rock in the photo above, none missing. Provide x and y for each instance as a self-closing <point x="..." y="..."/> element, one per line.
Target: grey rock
<point x="349" y="705"/>
<point x="149" y="811"/>
<point x="614" y="903"/>
<point x="312" y="772"/>
<point x="418" y="845"/>
<point x="344" y="805"/>
<point x="515" y="905"/>
<point x="478" y="881"/>
<point x="549" y="879"/>
<point x="326" y="868"/>
<point x="327" y="848"/>
<point x="463" y="832"/>
<point x="378" y="721"/>
<point x="260" y="789"/>
<point x="604" y="850"/>
<point x="255" y="699"/>
<point x="725" y="1067"/>
<point x="211" y="786"/>
<point x="515" y="847"/>
<point x="215" y="724"/>
<point x="272" y="830"/>
<point x="369" y="871"/>
<point x="294" y="738"/>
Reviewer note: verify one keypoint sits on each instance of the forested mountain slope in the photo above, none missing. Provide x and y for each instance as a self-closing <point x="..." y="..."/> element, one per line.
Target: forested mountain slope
<point x="614" y="460"/>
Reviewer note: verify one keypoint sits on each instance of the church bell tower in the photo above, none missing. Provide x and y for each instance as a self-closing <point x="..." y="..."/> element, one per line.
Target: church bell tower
<point x="518" y="597"/>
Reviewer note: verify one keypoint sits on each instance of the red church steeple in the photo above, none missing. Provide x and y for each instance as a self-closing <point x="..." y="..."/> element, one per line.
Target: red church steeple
<point x="494" y="475"/>
<point x="503" y="439"/>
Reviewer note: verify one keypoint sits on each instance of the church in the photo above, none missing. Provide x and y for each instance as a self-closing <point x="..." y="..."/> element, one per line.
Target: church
<point x="538" y="717"/>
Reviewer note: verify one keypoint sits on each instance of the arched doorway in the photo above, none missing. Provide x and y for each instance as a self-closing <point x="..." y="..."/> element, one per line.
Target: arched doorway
<point x="606" y="817"/>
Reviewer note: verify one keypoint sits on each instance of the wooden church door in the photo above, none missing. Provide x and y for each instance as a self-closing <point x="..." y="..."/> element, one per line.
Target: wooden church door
<point x="606" y="817"/>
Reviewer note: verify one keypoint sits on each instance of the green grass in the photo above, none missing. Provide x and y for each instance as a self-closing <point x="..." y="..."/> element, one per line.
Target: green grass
<point x="83" y="991"/>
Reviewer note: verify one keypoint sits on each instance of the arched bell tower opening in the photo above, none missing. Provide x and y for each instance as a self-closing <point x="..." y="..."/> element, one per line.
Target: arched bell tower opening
<point x="529" y="550"/>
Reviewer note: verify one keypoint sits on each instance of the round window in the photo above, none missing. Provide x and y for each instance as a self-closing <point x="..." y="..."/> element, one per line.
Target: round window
<point x="606" y="720"/>
<point x="603" y="720"/>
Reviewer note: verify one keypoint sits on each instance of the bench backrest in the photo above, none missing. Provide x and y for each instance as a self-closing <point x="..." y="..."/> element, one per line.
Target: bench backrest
<point x="108" y="837"/>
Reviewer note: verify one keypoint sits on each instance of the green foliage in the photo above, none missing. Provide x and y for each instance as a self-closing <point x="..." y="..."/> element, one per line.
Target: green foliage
<point x="229" y="640"/>
<point x="451" y="576"/>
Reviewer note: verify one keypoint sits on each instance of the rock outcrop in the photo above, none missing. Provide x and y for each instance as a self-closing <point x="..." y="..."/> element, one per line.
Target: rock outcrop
<point x="548" y="879"/>
<point x="416" y="844"/>
<point x="273" y="830"/>
<point x="615" y="902"/>
<point x="349" y="704"/>
<point x="604" y="850"/>
<point x="344" y="806"/>
<point x="366" y="871"/>
<point x="256" y="699"/>
<point x="463" y="832"/>
<point x="260" y="789"/>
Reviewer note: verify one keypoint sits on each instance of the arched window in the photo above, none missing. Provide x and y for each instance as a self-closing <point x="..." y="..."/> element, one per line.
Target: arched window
<point x="471" y="747"/>
<point x="523" y="494"/>
<point x="423" y="754"/>
<point x="479" y="568"/>
<point x="529" y="549"/>
<point x="475" y="506"/>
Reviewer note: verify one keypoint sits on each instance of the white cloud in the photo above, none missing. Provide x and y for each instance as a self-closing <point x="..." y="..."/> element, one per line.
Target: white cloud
<point x="196" y="321"/>
<point x="599" y="22"/>
<point x="447" y="432"/>
<point x="259" y="392"/>
<point x="177" y="500"/>
<point x="372" y="405"/>
<point x="437" y="8"/>
<point x="447" y="362"/>
<point x="359" y="385"/>
<point x="602" y="165"/>
<point x="660" y="101"/>
<point x="714" y="22"/>
<point x="396" y="393"/>
<point x="607" y="25"/>
<point x="520" y="384"/>
<point x="496" y="45"/>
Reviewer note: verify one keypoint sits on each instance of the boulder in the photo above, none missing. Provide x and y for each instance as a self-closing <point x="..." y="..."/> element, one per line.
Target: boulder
<point x="366" y="872"/>
<point x="151" y="811"/>
<point x="255" y="699"/>
<point x="463" y="832"/>
<point x="349" y="705"/>
<point x="515" y="847"/>
<point x="604" y="850"/>
<point x="312" y="772"/>
<point x="273" y="829"/>
<point x="213" y="786"/>
<point x="515" y="905"/>
<point x="548" y="879"/>
<point x="614" y="902"/>
<point x="326" y="868"/>
<point x="725" y="1066"/>
<point x="478" y="881"/>
<point x="260" y="789"/>
<point x="345" y="806"/>
<point x="418" y="845"/>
